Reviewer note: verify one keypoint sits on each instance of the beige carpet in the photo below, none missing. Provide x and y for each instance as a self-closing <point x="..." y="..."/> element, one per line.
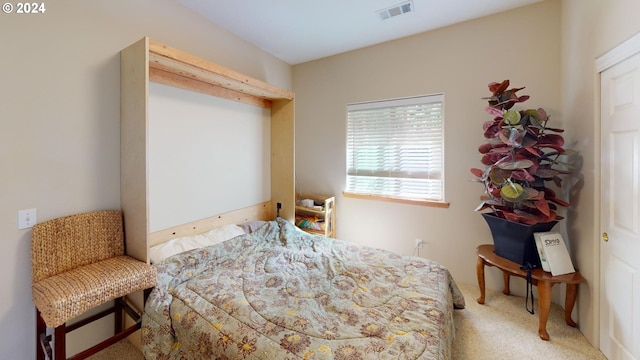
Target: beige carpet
<point x="503" y="329"/>
<point x="500" y="329"/>
<point x="123" y="350"/>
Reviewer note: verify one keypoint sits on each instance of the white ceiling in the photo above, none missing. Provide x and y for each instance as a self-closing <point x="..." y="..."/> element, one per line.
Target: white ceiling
<point x="298" y="31"/>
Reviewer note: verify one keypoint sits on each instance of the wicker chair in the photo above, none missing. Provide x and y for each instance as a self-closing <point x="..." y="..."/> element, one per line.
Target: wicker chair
<point x="78" y="262"/>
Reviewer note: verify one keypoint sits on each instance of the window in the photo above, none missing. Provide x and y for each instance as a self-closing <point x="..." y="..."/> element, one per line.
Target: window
<point x="395" y="148"/>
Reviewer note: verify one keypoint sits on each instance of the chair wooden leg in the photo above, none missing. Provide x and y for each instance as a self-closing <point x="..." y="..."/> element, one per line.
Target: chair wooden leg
<point x="60" y="342"/>
<point x="41" y="329"/>
<point x="145" y="295"/>
<point x="44" y="343"/>
<point x="118" y="315"/>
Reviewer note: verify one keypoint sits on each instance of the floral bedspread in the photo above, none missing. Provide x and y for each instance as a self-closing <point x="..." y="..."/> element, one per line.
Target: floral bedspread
<point x="280" y="293"/>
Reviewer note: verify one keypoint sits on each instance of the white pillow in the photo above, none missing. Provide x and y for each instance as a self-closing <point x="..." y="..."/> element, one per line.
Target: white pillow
<point x="162" y="251"/>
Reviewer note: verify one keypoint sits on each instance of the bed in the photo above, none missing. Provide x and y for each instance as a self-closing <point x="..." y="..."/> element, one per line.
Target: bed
<point x="277" y="292"/>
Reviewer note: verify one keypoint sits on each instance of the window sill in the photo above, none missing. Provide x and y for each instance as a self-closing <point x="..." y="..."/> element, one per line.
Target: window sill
<point x="431" y="203"/>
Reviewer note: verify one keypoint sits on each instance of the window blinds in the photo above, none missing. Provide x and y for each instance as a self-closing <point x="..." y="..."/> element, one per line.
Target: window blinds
<point x="395" y="148"/>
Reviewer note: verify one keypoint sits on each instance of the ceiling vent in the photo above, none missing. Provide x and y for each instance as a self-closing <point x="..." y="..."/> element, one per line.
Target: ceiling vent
<point x="395" y="10"/>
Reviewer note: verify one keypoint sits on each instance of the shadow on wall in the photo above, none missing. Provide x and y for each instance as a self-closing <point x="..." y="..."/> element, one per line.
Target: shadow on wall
<point x="572" y="186"/>
<point x="105" y="162"/>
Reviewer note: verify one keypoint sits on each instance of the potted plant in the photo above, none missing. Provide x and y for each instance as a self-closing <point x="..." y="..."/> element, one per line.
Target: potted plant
<point x="522" y="155"/>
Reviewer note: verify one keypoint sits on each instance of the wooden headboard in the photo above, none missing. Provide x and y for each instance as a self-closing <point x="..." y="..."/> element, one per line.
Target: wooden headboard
<point x="260" y="211"/>
<point x="147" y="60"/>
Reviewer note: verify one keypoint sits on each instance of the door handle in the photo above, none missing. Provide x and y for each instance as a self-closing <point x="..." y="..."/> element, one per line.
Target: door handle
<point x="605" y="237"/>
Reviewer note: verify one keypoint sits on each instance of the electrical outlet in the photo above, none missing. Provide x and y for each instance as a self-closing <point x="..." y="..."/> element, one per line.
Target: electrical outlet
<point x="419" y="243"/>
<point x="27" y="218"/>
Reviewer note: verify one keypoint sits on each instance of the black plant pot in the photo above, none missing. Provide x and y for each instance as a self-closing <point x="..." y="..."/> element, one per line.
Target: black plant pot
<point x="515" y="241"/>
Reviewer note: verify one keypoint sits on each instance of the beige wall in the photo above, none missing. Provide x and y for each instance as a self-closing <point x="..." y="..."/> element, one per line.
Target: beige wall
<point x="460" y="61"/>
<point x="590" y="28"/>
<point x="60" y="119"/>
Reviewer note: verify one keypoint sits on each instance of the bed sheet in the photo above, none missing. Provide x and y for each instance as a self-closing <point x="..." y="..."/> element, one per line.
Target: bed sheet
<point x="281" y="293"/>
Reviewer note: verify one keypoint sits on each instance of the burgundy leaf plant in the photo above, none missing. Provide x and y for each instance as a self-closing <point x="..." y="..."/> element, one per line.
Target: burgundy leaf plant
<point x="521" y="156"/>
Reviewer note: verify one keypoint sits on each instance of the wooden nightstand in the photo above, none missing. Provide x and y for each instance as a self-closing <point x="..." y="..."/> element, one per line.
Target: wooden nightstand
<point x="543" y="280"/>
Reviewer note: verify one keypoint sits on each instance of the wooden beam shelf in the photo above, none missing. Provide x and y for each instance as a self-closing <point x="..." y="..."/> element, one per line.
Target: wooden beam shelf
<point x="176" y="68"/>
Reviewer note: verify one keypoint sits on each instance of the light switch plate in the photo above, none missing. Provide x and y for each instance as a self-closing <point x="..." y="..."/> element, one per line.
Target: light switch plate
<point x="27" y="218"/>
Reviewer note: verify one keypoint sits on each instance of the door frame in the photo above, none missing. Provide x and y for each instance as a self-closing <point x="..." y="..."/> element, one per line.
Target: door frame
<point x="621" y="52"/>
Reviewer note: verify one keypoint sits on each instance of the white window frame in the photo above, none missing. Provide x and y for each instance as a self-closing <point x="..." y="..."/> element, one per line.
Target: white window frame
<point x="414" y="167"/>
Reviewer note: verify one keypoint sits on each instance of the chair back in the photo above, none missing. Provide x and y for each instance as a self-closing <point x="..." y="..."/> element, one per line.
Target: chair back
<point x="68" y="242"/>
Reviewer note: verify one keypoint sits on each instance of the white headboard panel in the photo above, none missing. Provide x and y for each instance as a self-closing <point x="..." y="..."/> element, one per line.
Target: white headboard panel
<point x="207" y="155"/>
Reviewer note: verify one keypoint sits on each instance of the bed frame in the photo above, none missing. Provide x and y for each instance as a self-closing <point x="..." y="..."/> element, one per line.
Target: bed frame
<point x="148" y="60"/>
